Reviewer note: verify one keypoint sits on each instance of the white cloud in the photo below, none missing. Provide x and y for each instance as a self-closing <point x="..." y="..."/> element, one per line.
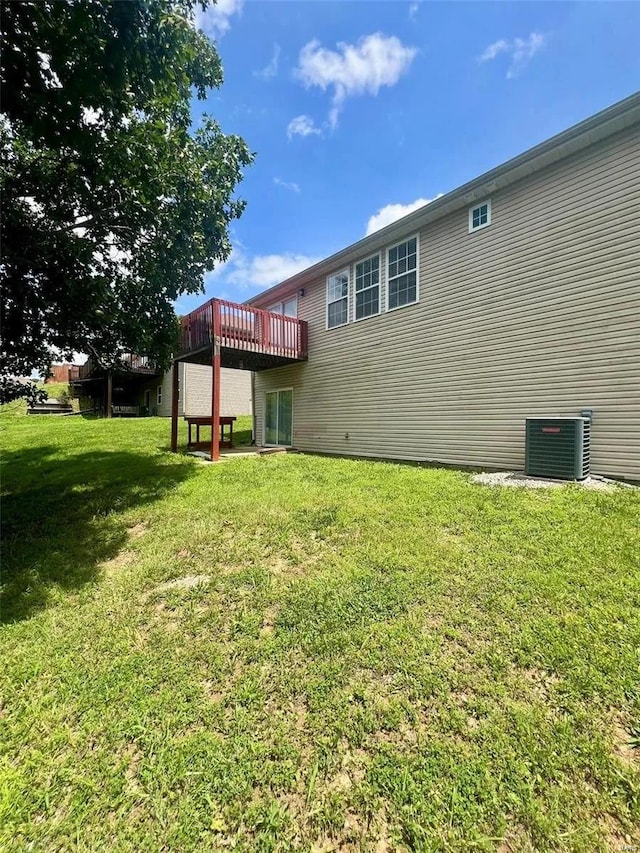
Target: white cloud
<point x="271" y="68"/>
<point x="354" y="69"/>
<point x="520" y="51"/>
<point x="413" y="11"/>
<point x="215" y="20"/>
<point x="392" y="212"/>
<point x="259" y="271"/>
<point x="287" y="185"/>
<point x="301" y="126"/>
<point x="493" y="50"/>
<point x="267" y="270"/>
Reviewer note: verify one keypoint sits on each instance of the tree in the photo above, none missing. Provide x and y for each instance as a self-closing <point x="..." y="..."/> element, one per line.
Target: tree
<point x="113" y="204"/>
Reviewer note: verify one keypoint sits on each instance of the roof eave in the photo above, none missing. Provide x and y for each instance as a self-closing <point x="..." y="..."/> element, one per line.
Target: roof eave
<point x="619" y="116"/>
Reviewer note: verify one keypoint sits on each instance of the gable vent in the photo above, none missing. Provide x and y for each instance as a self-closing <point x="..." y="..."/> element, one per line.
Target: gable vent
<point x="558" y="448"/>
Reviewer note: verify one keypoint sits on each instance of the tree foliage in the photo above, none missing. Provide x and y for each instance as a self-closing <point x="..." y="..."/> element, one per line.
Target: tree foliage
<point x="113" y="203"/>
<point x="12" y="388"/>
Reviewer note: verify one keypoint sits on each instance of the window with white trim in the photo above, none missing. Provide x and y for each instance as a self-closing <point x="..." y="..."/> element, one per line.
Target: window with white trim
<point x="159" y="395"/>
<point x="367" y="287"/>
<point x="338" y="299"/>
<point x="480" y="216"/>
<point x="402" y="274"/>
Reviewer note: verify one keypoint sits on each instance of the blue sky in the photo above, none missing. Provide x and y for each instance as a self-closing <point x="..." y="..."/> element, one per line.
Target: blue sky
<point x="359" y="110"/>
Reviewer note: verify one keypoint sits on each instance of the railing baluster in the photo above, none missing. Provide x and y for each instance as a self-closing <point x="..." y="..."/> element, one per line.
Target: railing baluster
<point x="242" y="327"/>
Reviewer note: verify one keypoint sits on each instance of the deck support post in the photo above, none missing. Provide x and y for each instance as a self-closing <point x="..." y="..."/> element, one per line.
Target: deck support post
<point x="215" y="386"/>
<point x="109" y="393"/>
<point x="253" y="408"/>
<point x="175" y="387"/>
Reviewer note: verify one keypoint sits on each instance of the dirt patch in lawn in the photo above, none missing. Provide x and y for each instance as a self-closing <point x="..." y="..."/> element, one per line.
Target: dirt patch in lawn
<point x="516" y="840"/>
<point x="282" y="568"/>
<point x="269" y="621"/>
<point x="133" y="757"/>
<point x="623" y="749"/>
<point x="616" y="837"/>
<point x="187" y="582"/>
<point x="210" y="688"/>
<point x="113" y="566"/>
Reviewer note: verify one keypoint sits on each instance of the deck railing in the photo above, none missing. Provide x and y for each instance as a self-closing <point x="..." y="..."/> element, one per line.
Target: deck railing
<point x="132" y="362"/>
<point x="243" y="327"/>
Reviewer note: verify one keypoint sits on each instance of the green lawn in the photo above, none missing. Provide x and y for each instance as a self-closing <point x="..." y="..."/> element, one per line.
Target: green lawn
<point x="377" y="657"/>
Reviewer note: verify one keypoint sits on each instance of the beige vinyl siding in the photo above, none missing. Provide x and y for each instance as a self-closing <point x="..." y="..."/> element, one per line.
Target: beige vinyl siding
<point x="537" y="314"/>
<point x="164" y="409"/>
<point x="235" y="391"/>
<point x="195" y="391"/>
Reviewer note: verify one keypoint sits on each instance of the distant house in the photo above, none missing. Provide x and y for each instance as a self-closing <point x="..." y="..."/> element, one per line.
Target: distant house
<point x="139" y="389"/>
<point x="62" y="373"/>
<point x="515" y="295"/>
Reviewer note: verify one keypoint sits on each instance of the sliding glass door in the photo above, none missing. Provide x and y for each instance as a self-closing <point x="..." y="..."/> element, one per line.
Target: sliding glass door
<point x="278" y="421"/>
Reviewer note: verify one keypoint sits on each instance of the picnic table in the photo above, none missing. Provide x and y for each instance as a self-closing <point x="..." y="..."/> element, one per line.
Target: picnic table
<point x="226" y="441"/>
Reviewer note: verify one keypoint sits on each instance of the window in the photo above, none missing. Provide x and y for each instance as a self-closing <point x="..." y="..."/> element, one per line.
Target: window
<point x="480" y="216"/>
<point x="338" y="299"/>
<point x="289" y="307"/>
<point x="402" y="274"/>
<point x="159" y="395"/>
<point x="368" y="287"/>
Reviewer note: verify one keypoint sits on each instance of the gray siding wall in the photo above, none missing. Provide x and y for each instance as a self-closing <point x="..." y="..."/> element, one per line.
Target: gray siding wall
<point x="235" y="391"/>
<point x="195" y="391"/>
<point x="162" y="409"/>
<point x="537" y="314"/>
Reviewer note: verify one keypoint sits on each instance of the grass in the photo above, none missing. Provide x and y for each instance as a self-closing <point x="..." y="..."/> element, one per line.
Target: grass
<point x="375" y="657"/>
<point x="18" y="408"/>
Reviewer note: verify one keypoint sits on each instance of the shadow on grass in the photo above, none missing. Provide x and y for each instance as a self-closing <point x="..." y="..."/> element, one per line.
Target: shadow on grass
<point x="61" y="517"/>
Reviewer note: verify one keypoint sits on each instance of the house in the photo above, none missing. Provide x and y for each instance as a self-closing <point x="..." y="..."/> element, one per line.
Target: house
<point x="63" y="373"/>
<point x="515" y="295"/>
<point x="138" y="388"/>
<point x="195" y="392"/>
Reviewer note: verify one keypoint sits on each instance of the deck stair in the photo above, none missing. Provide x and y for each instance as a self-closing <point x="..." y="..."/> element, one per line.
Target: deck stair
<point x="50" y="407"/>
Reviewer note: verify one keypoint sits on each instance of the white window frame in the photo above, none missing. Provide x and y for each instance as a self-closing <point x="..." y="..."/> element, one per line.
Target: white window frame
<point x="264" y="418"/>
<point x="346" y="271"/>
<point x="415" y="237"/>
<point x="486" y="224"/>
<point x="278" y="308"/>
<point x="159" y="395"/>
<point x="357" y="319"/>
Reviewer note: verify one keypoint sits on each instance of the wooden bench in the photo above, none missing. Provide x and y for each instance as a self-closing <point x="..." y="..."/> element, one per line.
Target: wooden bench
<point x="226" y="441"/>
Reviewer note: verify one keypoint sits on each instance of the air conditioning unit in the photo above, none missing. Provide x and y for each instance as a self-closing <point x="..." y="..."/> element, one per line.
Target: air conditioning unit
<point x="558" y="448"/>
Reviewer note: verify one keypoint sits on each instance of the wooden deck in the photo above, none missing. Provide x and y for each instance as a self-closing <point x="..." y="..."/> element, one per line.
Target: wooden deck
<point x="248" y="338"/>
<point x="129" y="364"/>
<point x="227" y="334"/>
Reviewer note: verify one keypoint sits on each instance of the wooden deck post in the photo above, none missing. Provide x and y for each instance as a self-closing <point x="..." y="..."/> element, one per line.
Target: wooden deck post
<point x="174" y="406"/>
<point x="253" y="408"/>
<point x="215" y="384"/>
<point x="109" y="393"/>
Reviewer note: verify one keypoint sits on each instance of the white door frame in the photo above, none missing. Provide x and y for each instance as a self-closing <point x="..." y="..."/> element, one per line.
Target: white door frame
<point x="264" y="419"/>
